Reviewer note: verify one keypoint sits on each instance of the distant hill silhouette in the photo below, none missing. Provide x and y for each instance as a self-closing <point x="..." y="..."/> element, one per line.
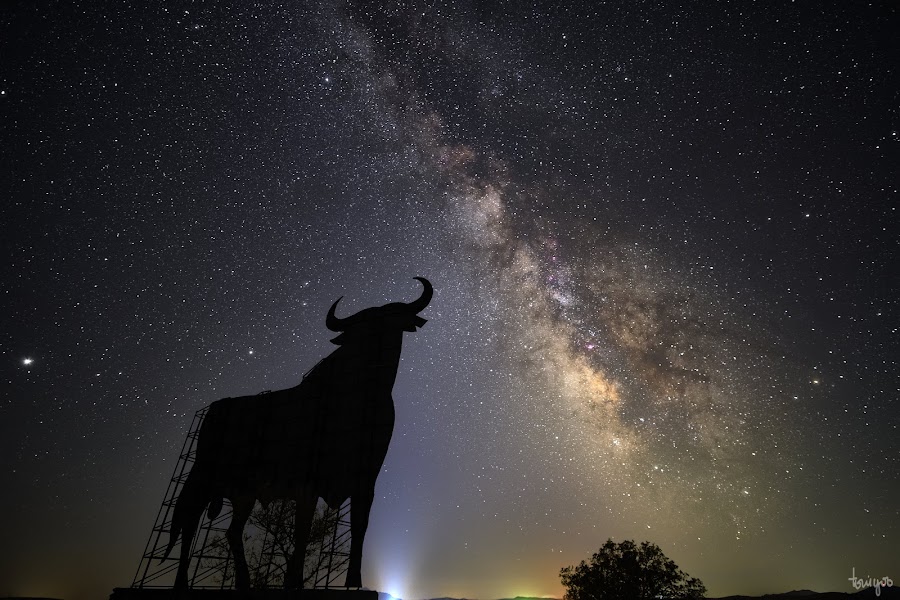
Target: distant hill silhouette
<point x="890" y="593"/>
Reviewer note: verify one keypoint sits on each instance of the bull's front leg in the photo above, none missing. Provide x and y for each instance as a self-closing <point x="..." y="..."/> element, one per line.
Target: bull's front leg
<point x="360" y="505"/>
<point x="305" y="509"/>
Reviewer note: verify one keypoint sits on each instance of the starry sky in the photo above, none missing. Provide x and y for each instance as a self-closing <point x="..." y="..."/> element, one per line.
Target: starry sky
<point x="662" y="236"/>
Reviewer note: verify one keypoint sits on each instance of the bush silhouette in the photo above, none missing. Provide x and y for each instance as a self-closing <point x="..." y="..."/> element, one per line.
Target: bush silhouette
<point x="627" y="571"/>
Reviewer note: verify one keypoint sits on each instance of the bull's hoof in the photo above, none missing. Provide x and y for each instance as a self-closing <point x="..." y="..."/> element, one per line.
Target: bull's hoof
<point x="354" y="580"/>
<point x="291" y="581"/>
<point x="180" y="589"/>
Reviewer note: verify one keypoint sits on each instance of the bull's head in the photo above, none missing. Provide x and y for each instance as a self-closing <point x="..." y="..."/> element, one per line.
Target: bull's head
<point x="397" y="316"/>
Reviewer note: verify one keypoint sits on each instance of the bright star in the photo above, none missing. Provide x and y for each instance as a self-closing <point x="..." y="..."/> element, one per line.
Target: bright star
<point x="27" y="361"/>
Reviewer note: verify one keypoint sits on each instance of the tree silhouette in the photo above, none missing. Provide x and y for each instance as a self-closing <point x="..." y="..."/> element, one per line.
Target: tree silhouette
<point x="627" y="571"/>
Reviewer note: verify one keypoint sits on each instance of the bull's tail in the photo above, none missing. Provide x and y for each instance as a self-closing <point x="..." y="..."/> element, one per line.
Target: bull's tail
<point x="174" y="533"/>
<point x="187" y="511"/>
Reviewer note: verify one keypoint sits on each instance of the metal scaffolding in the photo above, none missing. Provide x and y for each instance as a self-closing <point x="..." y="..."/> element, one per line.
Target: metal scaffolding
<point x="211" y="560"/>
<point x="155" y="570"/>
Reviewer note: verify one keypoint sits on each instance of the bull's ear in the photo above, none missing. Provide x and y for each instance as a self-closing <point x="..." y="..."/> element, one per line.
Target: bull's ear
<point x="411" y="322"/>
<point x="415" y="321"/>
<point x="339" y="339"/>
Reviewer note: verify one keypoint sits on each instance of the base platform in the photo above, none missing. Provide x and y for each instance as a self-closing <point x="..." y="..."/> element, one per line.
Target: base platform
<point x="263" y="594"/>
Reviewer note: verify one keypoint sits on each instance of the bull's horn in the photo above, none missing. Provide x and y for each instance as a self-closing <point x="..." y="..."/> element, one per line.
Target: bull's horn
<point x="331" y="321"/>
<point x="420" y="304"/>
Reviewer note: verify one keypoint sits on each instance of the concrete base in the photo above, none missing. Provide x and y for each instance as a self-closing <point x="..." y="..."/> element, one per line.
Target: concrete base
<point x="212" y="594"/>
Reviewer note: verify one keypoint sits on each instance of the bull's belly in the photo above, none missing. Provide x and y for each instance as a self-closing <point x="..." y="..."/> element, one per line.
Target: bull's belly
<point x="276" y="447"/>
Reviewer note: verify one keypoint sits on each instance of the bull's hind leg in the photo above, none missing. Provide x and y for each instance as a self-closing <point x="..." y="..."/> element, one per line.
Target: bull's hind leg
<point x="306" y="508"/>
<point x="191" y="520"/>
<point x="241" y="509"/>
<point x="185" y="519"/>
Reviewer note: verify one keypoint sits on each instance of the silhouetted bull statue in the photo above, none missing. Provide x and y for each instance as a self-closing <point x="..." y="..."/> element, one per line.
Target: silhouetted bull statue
<point x="326" y="437"/>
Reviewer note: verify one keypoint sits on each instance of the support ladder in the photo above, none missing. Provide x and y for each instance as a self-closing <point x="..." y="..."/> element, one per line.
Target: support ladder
<point x="154" y="571"/>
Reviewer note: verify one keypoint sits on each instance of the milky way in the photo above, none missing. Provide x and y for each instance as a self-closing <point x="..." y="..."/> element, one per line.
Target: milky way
<point x="644" y="369"/>
<point x="661" y="241"/>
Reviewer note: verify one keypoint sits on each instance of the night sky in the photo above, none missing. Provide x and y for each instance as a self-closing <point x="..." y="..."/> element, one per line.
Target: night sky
<point x="663" y="239"/>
